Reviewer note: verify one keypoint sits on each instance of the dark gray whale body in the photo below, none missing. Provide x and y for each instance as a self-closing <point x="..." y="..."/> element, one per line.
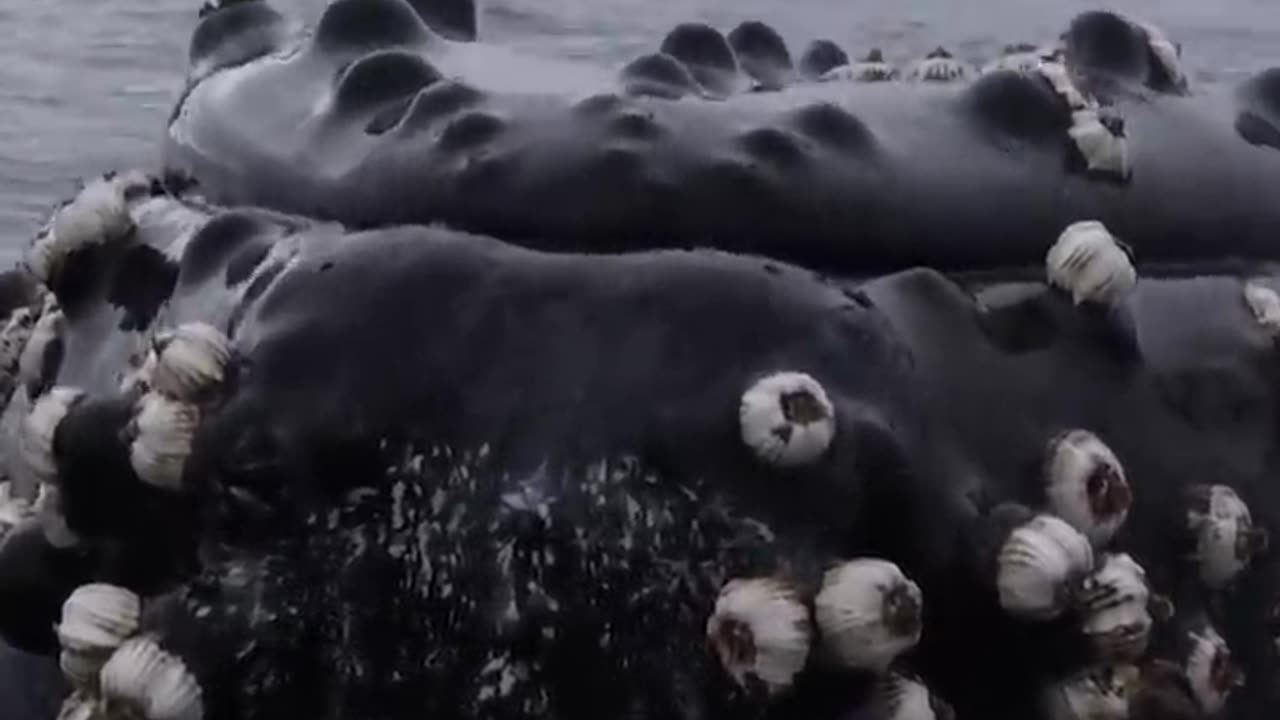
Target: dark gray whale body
<point x="376" y="118"/>
<point x="870" y="453"/>
<point x="527" y="468"/>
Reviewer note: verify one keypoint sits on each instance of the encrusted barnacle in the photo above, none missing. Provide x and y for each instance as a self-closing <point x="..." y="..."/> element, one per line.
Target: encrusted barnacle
<point x="141" y="680"/>
<point x="1264" y="304"/>
<point x="872" y="68"/>
<point x="1096" y="134"/>
<point x="761" y="630"/>
<point x="189" y="361"/>
<point x="96" y="619"/>
<point x="869" y="613"/>
<point x="1225" y="537"/>
<point x="99" y="213"/>
<point x="1167" y="55"/>
<point x="1095" y="694"/>
<point x="1210" y="671"/>
<point x="164" y="429"/>
<point x="1090" y="264"/>
<point x="899" y="697"/>
<point x="786" y="419"/>
<point x="39" y="427"/>
<point x="1040" y="566"/>
<point x="53" y="524"/>
<point x="1086" y="486"/>
<point x="47" y="330"/>
<point x="1022" y="57"/>
<point x="938" y="66"/>
<point x="13" y="339"/>
<point x="1101" y="142"/>
<point x="1114" y="605"/>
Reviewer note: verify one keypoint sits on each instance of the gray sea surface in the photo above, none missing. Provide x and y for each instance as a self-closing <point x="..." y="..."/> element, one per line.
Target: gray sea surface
<point x="86" y="85"/>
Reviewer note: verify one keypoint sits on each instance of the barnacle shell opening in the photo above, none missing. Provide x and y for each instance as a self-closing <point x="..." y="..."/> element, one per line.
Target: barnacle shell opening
<point x="786" y="419"/>
<point x="869" y="613"/>
<point x="165" y="428"/>
<point x="1039" y="565"/>
<point x="39" y="427"/>
<point x="1088" y="262"/>
<point x="1086" y="485"/>
<point x="143" y="679"/>
<point x="760" y="628"/>
<point x="190" y="360"/>
<point x="1114" y="605"/>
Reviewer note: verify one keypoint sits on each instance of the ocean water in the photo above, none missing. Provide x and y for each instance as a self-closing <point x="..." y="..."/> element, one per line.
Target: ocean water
<point x="86" y="85"/>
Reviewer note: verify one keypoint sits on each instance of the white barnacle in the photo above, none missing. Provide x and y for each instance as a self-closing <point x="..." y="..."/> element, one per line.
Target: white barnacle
<point x="1226" y="539"/>
<point x="869" y="613"/>
<point x="898" y="697"/>
<point x="80" y="705"/>
<point x="1039" y="567"/>
<point x="1210" y="671"/>
<point x="47" y="329"/>
<point x="1016" y="58"/>
<point x="1166" y="54"/>
<point x="761" y="628"/>
<point x="13" y="338"/>
<point x="1264" y="303"/>
<point x="1113" y="604"/>
<point x="861" y="72"/>
<point x="190" y="360"/>
<point x="872" y="68"/>
<point x="1104" y="149"/>
<point x="39" y="427"/>
<point x="99" y="213"/>
<point x="1094" y="694"/>
<point x="13" y="510"/>
<point x="96" y="619"/>
<point x="165" y="428"/>
<point x="1090" y="264"/>
<point x="1085" y="485"/>
<point x="938" y="66"/>
<point x="1059" y="77"/>
<point x="786" y="419"/>
<point x="143" y="680"/>
<point x="1102" y="144"/>
<point x="53" y="524"/>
